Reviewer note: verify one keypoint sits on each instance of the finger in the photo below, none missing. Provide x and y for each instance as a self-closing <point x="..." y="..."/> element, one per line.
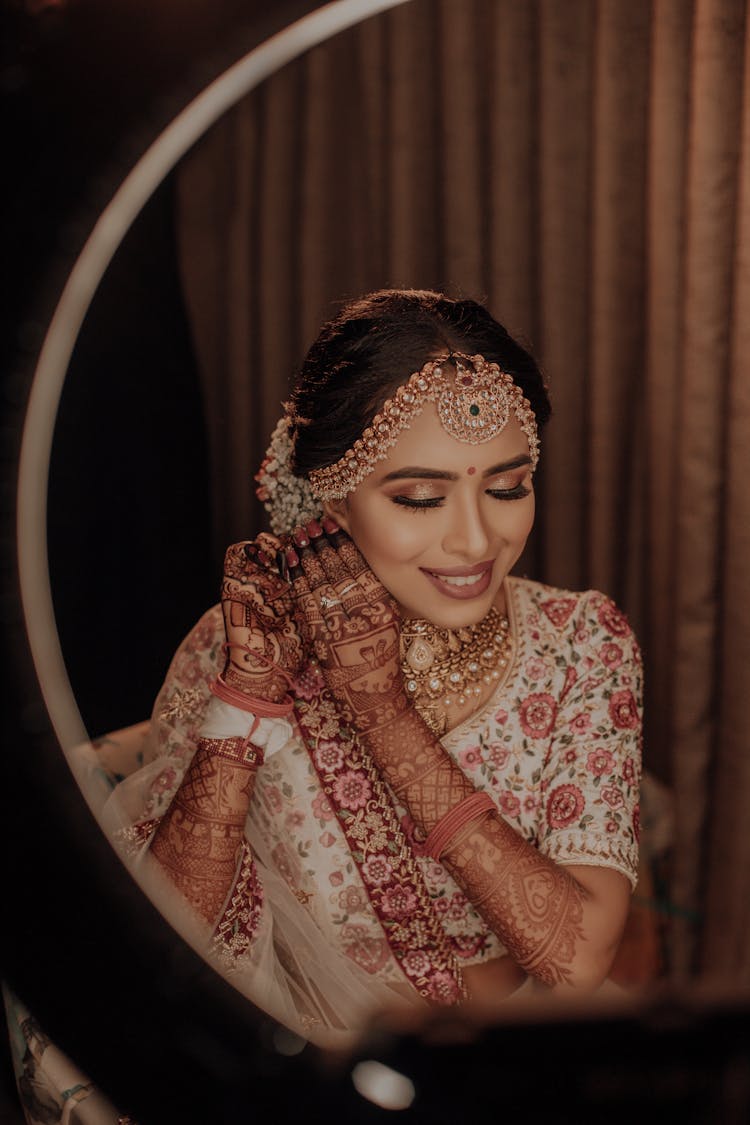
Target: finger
<point x="306" y="605"/>
<point x="314" y="572"/>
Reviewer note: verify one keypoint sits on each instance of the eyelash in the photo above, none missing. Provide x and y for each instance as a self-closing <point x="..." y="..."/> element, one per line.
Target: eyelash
<point x="516" y="493"/>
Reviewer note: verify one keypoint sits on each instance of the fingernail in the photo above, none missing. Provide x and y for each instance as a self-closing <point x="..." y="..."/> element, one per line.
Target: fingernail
<point x="330" y="525"/>
<point x="300" y="537"/>
<point x="292" y="557"/>
<point x="314" y="529"/>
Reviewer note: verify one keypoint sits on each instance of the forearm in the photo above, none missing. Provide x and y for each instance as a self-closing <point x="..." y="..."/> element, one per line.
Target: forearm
<point x="198" y="840"/>
<point x="546" y="919"/>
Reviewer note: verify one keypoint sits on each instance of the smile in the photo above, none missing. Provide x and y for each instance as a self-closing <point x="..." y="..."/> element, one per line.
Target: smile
<point x="461" y="582"/>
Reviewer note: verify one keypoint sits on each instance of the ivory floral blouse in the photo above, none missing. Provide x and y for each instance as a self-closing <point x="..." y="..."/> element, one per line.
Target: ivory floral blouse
<point x="557" y="747"/>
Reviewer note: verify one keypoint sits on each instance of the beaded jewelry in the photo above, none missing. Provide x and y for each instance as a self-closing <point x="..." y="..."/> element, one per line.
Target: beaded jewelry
<point x="474" y="406"/>
<point x="474" y="403"/>
<point x="445" y="667"/>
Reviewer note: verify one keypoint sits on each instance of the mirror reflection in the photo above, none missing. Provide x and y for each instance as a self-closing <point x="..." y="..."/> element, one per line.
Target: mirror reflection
<point x="589" y="196"/>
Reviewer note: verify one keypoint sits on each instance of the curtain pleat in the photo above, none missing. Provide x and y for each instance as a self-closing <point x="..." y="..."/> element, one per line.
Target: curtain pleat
<point x="583" y="168"/>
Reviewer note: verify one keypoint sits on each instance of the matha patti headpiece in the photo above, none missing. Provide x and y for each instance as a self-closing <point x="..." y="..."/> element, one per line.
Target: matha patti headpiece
<point x="474" y="404"/>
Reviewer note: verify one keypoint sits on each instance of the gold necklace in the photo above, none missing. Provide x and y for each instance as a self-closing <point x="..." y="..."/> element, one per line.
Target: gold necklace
<point x="443" y="667"/>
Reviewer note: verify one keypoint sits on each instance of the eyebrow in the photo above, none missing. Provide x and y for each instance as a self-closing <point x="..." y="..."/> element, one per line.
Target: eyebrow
<point x="422" y="473"/>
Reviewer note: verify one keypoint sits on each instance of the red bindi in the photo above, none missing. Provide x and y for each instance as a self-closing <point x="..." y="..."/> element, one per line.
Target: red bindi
<point x="471" y="470"/>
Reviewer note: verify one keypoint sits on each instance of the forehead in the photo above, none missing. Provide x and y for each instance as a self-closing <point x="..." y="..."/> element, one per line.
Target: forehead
<point x="427" y="445"/>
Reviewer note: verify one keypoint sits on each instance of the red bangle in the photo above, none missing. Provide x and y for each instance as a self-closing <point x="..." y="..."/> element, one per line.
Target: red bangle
<point x="447" y="827"/>
<point x="260" y="707"/>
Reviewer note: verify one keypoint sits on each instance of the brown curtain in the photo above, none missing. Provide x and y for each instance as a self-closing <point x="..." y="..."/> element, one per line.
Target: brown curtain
<point x="584" y="167"/>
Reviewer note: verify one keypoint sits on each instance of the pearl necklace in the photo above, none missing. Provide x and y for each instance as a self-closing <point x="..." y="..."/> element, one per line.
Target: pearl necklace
<point x="445" y="667"/>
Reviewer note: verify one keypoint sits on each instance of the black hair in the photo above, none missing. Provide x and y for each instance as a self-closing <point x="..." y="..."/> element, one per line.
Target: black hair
<point x="372" y="346"/>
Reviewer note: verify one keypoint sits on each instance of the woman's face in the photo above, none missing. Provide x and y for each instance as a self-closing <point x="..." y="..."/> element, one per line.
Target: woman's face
<point x="441" y="522"/>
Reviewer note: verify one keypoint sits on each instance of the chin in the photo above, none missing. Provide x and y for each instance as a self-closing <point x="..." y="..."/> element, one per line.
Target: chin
<point x="455" y="615"/>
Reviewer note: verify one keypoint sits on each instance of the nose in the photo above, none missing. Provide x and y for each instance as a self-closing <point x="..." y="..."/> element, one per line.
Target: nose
<point x="466" y="536"/>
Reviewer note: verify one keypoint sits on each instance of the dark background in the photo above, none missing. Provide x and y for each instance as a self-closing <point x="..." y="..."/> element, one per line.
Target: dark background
<point x="85" y="87"/>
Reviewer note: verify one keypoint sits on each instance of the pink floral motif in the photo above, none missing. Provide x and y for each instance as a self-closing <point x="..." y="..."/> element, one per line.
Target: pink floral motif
<point x="612" y="795"/>
<point x="443" y="987"/>
<point x="398" y="901"/>
<point x="571" y="676"/>
<point x="470" y="758"/>
<point x="501" y="717"/>
<point x="623" y="710"/>
<point x="580" y="723"/>
<point x="565" y="805"/>
<point x="352" y="899"/>
<point x="628" y="770"/>
<point x="637" y="821"/>
<point x="328" y="756"/>
<point x="611" y="655"/>
<point x="529" y="804"/>
<point x="309" y="683"/>
<point x="537" y="715"/>
<point x="612" y="619"/>
<point x="416" y="962"/>
<point x="352" y="790"/>
<point x="322" y="807"/>
<point x="570" y="755"/>
<point x="559" y="610"/>
<point x="498" y="754"/>
<point x="467" y="945"/>
<point x="327" y="840"/>
<point x="336" y="878"/>
<point x="377" y="869"/>
<point x="509" y="803"/>
<point x="294" y="819"/>
<point x="164" y="781"/>
<point x="369" y="952"/>
<point x="610" y="826"/>
<point x="458" y="907"/>
<point x="599" y="762"/>
<point x="535" y="668"/>
<point x="273" y="798"/>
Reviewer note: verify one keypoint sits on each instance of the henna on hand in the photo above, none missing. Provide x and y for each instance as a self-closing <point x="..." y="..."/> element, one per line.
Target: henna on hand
<point x="199" y="838"/>
<point x="351" y="623"/>
<point x="536" y="908"/>
<point x="264" y="646"/>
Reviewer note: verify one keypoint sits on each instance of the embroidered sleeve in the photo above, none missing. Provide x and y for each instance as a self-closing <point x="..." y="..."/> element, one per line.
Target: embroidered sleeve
<point x="591" y="776"/>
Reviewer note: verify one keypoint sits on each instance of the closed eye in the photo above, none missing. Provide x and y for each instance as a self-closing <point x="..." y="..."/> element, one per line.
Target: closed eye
<point x="516" y="493"/>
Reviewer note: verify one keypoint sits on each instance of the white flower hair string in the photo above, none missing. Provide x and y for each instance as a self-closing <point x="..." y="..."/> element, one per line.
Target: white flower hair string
<point x="287" y="498"/>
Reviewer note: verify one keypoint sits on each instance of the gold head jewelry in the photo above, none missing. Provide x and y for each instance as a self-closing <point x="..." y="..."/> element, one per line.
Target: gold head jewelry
<point x="474" y="403"/>
<point x="444" y="667"/>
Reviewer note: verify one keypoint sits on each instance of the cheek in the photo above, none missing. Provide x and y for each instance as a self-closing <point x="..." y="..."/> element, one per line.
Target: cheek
<point x="394" y="538"/>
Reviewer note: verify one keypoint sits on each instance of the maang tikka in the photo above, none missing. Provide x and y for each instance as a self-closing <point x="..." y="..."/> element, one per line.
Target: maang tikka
<point x="474" y="403"/>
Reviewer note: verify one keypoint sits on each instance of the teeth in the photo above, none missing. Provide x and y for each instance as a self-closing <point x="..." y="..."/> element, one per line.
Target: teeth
<point x="470" y="580"/>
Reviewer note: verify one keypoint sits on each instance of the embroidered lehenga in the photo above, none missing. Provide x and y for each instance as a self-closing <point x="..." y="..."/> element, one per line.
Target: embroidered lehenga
<point x="332" y="913"/>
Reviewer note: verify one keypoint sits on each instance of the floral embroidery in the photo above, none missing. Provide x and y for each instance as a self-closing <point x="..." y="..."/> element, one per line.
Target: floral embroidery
<point x="559" y="610"/>
<point x="399" y="897"/>
<point x="236" y="929"/>
<point x="557" y="748"/>
<point x="599" y="762"/>
<point x="352" y="790"/>
<point x="565" y="804"/>
<point x="623" y="709"/>
<point x="537" y="715"/>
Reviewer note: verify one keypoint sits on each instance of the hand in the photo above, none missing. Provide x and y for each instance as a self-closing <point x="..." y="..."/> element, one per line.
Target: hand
<point x="350" y="622"/>
<point x="264" y="646"/>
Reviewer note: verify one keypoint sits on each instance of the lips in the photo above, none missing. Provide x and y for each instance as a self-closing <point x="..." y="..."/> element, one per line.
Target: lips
<point x="461" y="581"/>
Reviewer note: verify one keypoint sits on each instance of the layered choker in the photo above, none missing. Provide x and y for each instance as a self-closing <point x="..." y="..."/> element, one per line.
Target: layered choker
<point x="447" y="667"/>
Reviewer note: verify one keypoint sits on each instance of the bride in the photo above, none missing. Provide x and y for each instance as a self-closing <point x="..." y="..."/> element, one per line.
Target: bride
<point x="386" y="771"/>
